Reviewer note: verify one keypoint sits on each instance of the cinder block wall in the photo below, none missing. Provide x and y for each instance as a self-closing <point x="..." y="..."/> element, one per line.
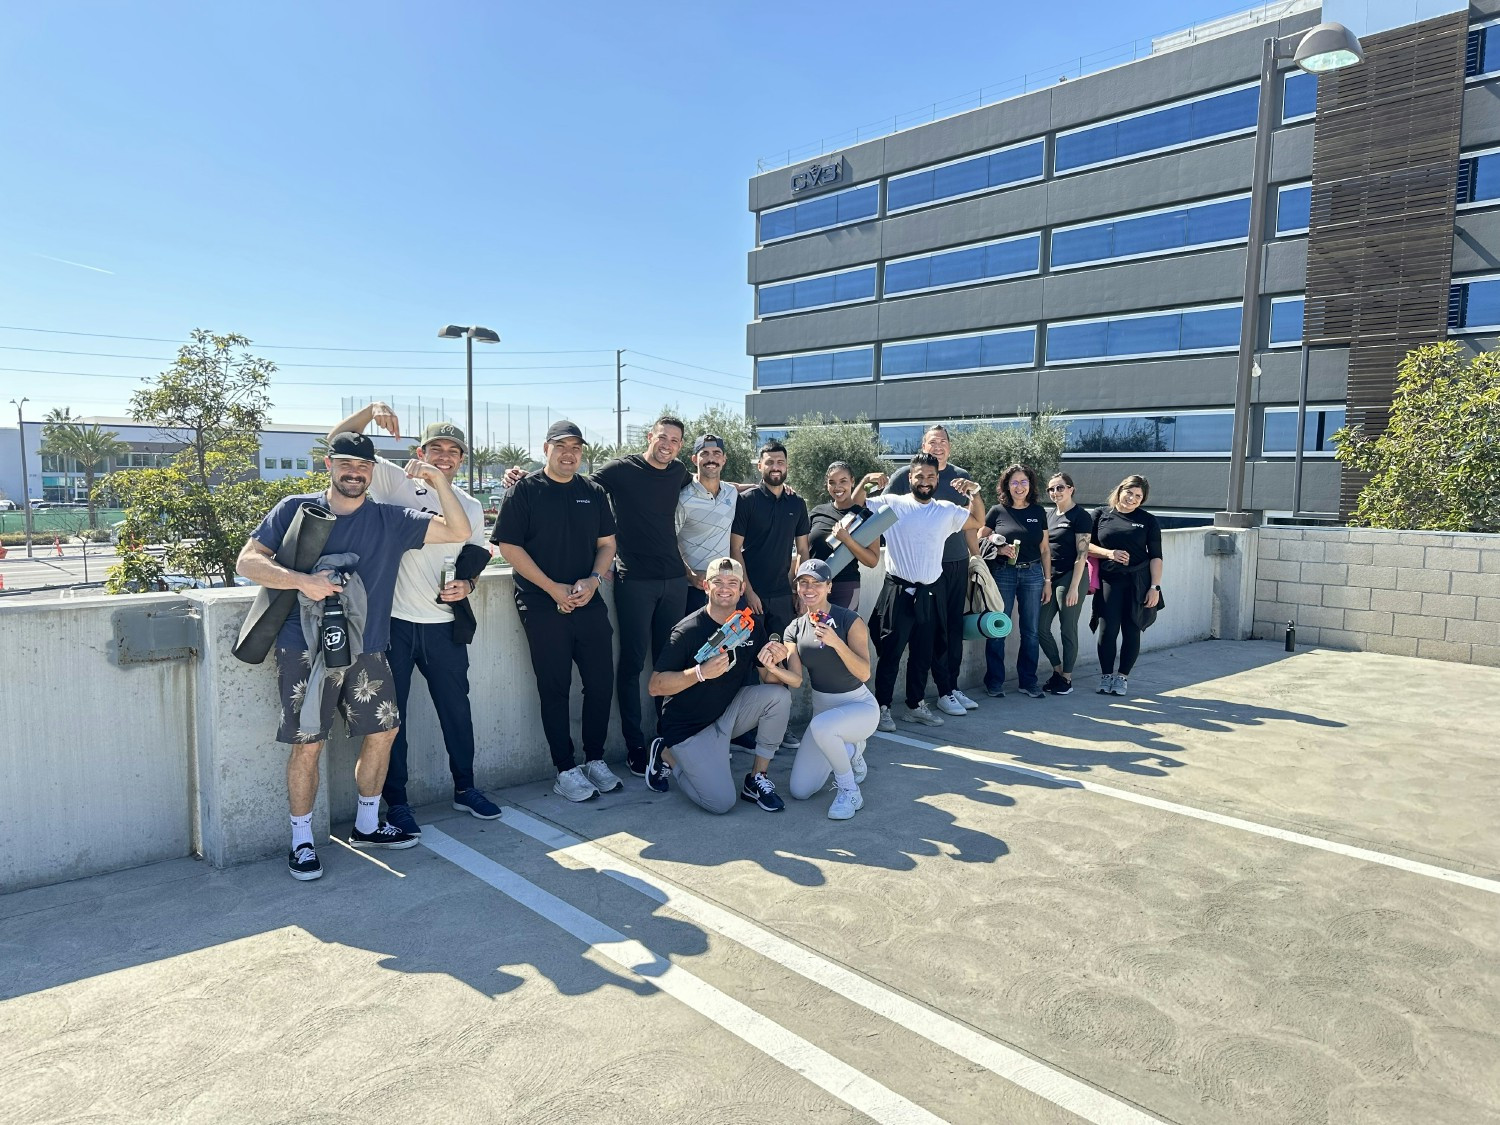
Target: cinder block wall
<point x="1411" y="593"/>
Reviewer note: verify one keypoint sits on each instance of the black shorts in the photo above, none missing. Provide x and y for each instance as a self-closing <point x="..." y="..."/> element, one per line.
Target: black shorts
<point x="364" y="692"/>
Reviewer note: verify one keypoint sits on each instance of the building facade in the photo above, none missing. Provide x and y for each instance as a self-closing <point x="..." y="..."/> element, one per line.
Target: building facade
<point x="1082" y="248"/>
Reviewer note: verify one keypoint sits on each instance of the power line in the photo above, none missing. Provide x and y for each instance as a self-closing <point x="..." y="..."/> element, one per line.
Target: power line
<point x="694" y="366"/>
<point x="679" y="390"/>
<point x="297" y="347"/>
<point x="315" y="383"/>
<point x="328" y="366"/>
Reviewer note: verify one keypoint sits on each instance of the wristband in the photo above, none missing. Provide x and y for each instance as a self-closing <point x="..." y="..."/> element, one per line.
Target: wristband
<point x="698" y="671"/>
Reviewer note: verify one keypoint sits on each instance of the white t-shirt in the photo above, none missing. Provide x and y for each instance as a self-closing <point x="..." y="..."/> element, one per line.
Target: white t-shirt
<point x="420" y="576"/>
<point x="914" y="543"/>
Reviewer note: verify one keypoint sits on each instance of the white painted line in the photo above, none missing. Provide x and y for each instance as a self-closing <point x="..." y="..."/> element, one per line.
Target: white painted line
<point x="1028" y="1073"/>
<point x="765" y="1035"/>
<point x="1463" y="878"/>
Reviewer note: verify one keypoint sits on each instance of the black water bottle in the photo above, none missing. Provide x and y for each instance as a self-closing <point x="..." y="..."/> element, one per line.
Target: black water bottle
<point x="1291" y="636"/>
<point x="335" y="633"/>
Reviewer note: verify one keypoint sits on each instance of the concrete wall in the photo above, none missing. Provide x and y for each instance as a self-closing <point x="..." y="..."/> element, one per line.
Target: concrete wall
<point x="1412" y="593"/>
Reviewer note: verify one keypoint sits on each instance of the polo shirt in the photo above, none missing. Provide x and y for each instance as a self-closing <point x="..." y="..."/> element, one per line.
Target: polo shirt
<point x="771" y="525"/>
<point x="704" y="522"/>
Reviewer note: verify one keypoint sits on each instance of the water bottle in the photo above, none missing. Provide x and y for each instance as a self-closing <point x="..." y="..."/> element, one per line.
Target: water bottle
<point x="1015" y="545"/>
<point x="450" y="572"/>
<point x="334" y="635"/>
<point x="1291" y="636"/>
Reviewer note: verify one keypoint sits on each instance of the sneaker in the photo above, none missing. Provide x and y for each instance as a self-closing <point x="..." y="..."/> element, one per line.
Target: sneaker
<point x="1120" y="685"/>
<point x="386" y="836"/>
<point x="658" y="773"/>
<point x="302" y="863"/>
<point x="857" y="761"/>
<point x="1034" y="691"/>
<point x="886" y="723"/>
<point x="1051" y="685"/>
<point x="920" y="714"/>
<point x="995" y="693"/>
<point x="475" y="803"/>
<point x="846" y="802"/>
<point x="949" y="705"/>
<point x="601" y="777"/>
<point x="1064" y="686"/>
<point x="758" y="788"/>
<point x="401" y="816"/>
<point x="1106" y="684"/>
<point x="969" y="704"/>
<point x="573" y="785"/>
<point x="636" y="758"/>
<point x="790" y="741"/>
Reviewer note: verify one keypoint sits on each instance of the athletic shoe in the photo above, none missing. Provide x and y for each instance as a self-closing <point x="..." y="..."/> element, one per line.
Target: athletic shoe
<point x="386" y="836"/>
<point x="601" y="777"/>
<point x="1120" y="685"/>
<point x="969" y="704"/>
<point x="846" y="802"/>
<point x="475" y="803"/>
<point x="995" y="693"/>
<point x="949" y="705"/>
<point x="758" y="788"/>
<point x="1064" y="686"/>
<point x="920" y="714"/>
<point x="1106" y="684"/>
<point x="857" y="761"/>
<point x="573" y="785"/>
<point x="886" y="723"/>
<point x="1033" y="691"/>
<point x="302" y="863"/>
<point x="1051" y="685"/>
<point x="636" y="758"/>
<point x="401" y="816"/>
<point x="790" y="741"/>
<point x="658" y="773"/>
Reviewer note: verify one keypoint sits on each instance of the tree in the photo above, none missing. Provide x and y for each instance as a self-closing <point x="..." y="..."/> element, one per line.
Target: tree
<point x="815" y="442"/>
<point x="482" y="457"/>
<point x="738" y="435"/>
<point x="509" y="455"/>
<point x="90" y="447"/>
<point x="985" y="448"/>
<point x="1436" y="465"/>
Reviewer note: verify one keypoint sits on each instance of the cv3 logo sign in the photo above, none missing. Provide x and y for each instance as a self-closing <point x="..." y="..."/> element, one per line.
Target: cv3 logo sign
<point x="819" y="175"/>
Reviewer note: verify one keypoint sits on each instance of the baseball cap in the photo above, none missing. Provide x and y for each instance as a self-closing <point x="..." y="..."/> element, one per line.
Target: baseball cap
<point x="448" y="432"/>
<point x="723" y="566"/>
<point x="348" y="444"/>
<point x="564" y="429"/>
<point x="815" y="568"/>
<point x="708" y="440"/>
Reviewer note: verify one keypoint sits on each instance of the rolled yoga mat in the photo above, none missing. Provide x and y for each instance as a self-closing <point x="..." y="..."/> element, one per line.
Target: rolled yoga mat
<point x="865" y="534"/>
<point x="990" y="625"/>
<point x="301" y="547"/>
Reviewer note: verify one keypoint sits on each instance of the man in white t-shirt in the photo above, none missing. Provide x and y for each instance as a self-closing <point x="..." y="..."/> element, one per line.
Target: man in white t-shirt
<point x="422" y="616"/>
<point x="905" y="618"/>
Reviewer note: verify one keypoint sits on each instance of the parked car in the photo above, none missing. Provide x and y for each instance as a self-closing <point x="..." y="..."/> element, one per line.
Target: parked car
<point x="7" y="505"/>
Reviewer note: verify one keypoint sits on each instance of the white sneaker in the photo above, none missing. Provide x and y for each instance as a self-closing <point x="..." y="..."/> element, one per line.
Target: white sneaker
<point x="1120" y="685"/>
<point x="949" y="705"/>
<point x="920" y="714"/>
<point x="886" y="723"/>
<point x="846" y="802"/>
<point x="969" y="704"/>
<point x="574" y="785"/>
<point x="857" y="760"/>
<point x="601" y="777"/>
<point x="1106" y="684"/>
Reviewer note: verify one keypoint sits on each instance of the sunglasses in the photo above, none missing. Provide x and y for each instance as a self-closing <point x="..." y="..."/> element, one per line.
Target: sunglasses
<point x="1057" y="488"/>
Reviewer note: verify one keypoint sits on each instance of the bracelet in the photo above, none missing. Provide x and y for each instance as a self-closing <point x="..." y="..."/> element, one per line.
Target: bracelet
<point x="698" y="671"/>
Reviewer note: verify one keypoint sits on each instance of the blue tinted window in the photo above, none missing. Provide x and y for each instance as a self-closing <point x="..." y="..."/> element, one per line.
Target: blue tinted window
<point x="1474" y="304"/>
<point x="1479" y="178"/>
<point x="831" y="289"/>
<point x="1319" y="425"/>
<point x="1083" y="244"/>
<point x="1300" y="95"/>
<point x="1202" y="119"/>
<point x="1293" y="209"/>
<point x="980" y="173"/>
<point x="904" y="439"/>
<point x="1209" y="432"/>
<point x="1162" y="232"/>
<point x="815" y="367"/>
<point x="764" y="434"/>
<point x="1206" y="329"/>
<point x="1140" y="335"/>
<point x="856" y="364"/>
<point x="1077" y="341"/>
<point x="1188" y="330"/>
<point x="1008" y="258"/>
<point x="816" y="214"/>
<point x="1014" y="347"/>
<point x="1483" y="56"/>
<point x="1286" y="322"/>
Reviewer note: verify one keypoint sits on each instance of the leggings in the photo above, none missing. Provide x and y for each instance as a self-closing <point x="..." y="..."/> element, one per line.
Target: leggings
<point x="1056" y="608"/>
<point x="840" y="721"/>
<point x="1118" y="624"/>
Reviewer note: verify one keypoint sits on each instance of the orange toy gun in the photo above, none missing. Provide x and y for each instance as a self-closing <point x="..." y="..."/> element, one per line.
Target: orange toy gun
<point x="733" y="633"/>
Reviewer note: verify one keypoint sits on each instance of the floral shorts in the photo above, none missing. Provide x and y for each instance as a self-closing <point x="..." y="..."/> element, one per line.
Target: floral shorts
<point x="365" y="692"/>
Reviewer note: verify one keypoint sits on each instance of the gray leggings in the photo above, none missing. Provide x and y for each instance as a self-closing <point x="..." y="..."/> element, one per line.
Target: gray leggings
<point x="702" y="771"/>
<point x="840" y="719"/>
<point x="1053" y="608"/>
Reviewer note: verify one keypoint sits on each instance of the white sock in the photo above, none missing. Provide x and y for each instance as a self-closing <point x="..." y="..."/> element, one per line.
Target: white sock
<point x="367" y="819"/>
<point x="846" y="780"/>
<point x="301" y="830"/>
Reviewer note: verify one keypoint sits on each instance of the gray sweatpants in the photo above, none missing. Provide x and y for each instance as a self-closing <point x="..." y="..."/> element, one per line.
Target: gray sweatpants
<point x="840" y="719"/>
<point x="702" y="770"/>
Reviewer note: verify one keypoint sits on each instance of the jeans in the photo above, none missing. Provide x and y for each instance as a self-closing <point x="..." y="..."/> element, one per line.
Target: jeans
<point x="646" y="609"/>
<point x="1058" y="608"/>
<point x="444" y="664"/>
<point x="1021" y="591"/>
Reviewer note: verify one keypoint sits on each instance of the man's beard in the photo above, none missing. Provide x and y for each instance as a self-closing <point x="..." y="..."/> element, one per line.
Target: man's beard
<point x="773" y="476"/>
<point x="922" y="493"/>
<point x="352" y="487"/>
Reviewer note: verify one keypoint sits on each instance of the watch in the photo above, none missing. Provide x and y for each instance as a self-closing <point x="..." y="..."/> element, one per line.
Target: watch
<point x="594" y="574"/>
<point x="1157" y="588"/>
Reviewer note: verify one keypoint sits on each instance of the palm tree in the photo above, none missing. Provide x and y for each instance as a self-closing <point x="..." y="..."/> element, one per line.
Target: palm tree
<point x="508" y="455"/>
<point x="482" y="457"/>
<point x="90" y="447"/>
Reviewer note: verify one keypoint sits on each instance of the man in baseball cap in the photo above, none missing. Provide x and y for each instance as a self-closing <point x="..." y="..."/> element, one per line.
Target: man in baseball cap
<point x="705" y="513"/>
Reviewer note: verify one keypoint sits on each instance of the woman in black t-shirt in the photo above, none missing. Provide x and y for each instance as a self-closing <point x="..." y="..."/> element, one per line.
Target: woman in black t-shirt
<point x="1068" y="530"/>
<point x="830" y="530"/>
<point x="1126" y="540"/>
<point x="1022" y="566"/>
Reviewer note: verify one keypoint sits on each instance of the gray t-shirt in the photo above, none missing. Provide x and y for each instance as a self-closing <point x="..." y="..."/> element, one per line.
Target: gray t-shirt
<point x="825" y="666"/>
<point x="957" y="547"/>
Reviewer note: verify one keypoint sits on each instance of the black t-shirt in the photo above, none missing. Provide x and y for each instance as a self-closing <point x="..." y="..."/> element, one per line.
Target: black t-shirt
<point x="688" y="712"/>
<point x="1138" y="533"/>
<point x="820" y="539"/>
<point x="645" y="505"/>
<point x="1062" y="534"/>
<point x="955" y="547"/>
<point x="770" y="525"/>
<point x="558" y="524"/>
<point x="1025" y="524"/>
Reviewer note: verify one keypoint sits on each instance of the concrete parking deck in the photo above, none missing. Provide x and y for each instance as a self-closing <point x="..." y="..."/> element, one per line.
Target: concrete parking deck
<point x="1263" y="887"/>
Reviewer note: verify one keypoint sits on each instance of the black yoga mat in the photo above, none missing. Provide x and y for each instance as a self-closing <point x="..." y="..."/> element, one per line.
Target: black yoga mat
<point x="301" y="547"/>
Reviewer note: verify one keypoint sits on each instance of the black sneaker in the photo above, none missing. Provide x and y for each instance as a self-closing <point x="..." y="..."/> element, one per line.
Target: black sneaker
<point x="758" y="788"/>
<point x="386" y="836"/>
<point x="1050" y="687"/>
<point x="658" y="773"/>
<point x="1064" y="686"/>
<point x="638" y="758"/>
<point x="302" y="862"/>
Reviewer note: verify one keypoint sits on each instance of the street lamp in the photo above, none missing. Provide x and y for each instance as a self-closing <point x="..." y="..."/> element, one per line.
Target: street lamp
<point x="25" y="480"/>
<point x="1318" y="50"/>
<point x="469" y="335"/>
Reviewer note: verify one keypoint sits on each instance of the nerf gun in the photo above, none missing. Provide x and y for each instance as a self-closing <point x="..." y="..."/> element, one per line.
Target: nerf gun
<point x="733" y="633"/>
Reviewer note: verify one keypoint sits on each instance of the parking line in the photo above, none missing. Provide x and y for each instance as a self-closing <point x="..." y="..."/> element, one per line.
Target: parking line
<point x="1463" y="878"/>
<point x="1022" y="1070"/>
<point x="813" y="1063"/>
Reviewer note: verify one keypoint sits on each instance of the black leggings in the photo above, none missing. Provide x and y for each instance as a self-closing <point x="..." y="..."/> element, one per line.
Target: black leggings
<point x="1118" y="625"/>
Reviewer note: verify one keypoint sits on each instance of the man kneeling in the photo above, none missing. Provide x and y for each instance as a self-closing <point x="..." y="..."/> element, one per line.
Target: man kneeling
<point x="705" y="705"/>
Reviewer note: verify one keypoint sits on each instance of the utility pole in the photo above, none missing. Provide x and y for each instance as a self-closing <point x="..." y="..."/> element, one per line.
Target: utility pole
<point x="619" y="406"/>
<point x="25" y="480"/>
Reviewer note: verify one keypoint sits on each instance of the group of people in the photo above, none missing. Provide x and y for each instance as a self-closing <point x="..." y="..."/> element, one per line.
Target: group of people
<point x="725" y="588"/>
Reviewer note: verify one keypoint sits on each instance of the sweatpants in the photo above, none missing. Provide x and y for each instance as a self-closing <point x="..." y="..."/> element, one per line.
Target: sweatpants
<point x="703" y="772"/>
<point x="948" y="624"/>
<point x="911" y="630"/>
<point x="444" y="664"/>
<point x="647" y="609"/>
<point x="1057" y="609"/>
<point x="840" y="719"/>
<point x="558" y="641"/>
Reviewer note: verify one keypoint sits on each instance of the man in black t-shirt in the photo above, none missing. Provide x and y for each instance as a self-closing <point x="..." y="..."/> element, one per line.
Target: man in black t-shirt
<point x="558" y="533"/>
<point x="768" y="523"/>
<point x="705" y="705"/>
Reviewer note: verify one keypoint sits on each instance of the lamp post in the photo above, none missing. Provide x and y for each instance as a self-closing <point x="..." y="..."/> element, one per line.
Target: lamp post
<point x="469" y="335"/>
<point x="1318" y="50"/>
<point x="25" y="480"/>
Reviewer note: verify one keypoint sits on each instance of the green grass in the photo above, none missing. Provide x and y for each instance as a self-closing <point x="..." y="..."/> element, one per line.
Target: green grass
<point x="59" y="521"/>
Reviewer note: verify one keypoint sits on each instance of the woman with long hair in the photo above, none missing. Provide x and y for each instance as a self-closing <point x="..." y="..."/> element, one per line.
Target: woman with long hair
<point x="1068" y="532"/>
<point x="1022" y="565"/>
<point x="832" y="524"/>
<point x="1126" y="539"/>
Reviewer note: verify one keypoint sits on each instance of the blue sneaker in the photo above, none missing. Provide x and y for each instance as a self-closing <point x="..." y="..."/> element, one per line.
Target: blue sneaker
<point x="658" y="773"/>
<point x="475" y="803"/>
<point x="759" y="789"/>
<point x="401" y="817"/>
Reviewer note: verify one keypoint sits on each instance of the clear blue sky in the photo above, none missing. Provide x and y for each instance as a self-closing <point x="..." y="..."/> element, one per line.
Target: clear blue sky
<point x="355" y="176"/>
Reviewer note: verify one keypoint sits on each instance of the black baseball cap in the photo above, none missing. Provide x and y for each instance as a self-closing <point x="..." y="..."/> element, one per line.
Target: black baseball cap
<point x="351" y="445"/>
<point x="564" y="429"/>
<point x="708" y="440"/>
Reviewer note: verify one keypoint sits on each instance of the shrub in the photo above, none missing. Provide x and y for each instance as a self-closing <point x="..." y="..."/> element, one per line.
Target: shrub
<point x="814" y="442"/>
